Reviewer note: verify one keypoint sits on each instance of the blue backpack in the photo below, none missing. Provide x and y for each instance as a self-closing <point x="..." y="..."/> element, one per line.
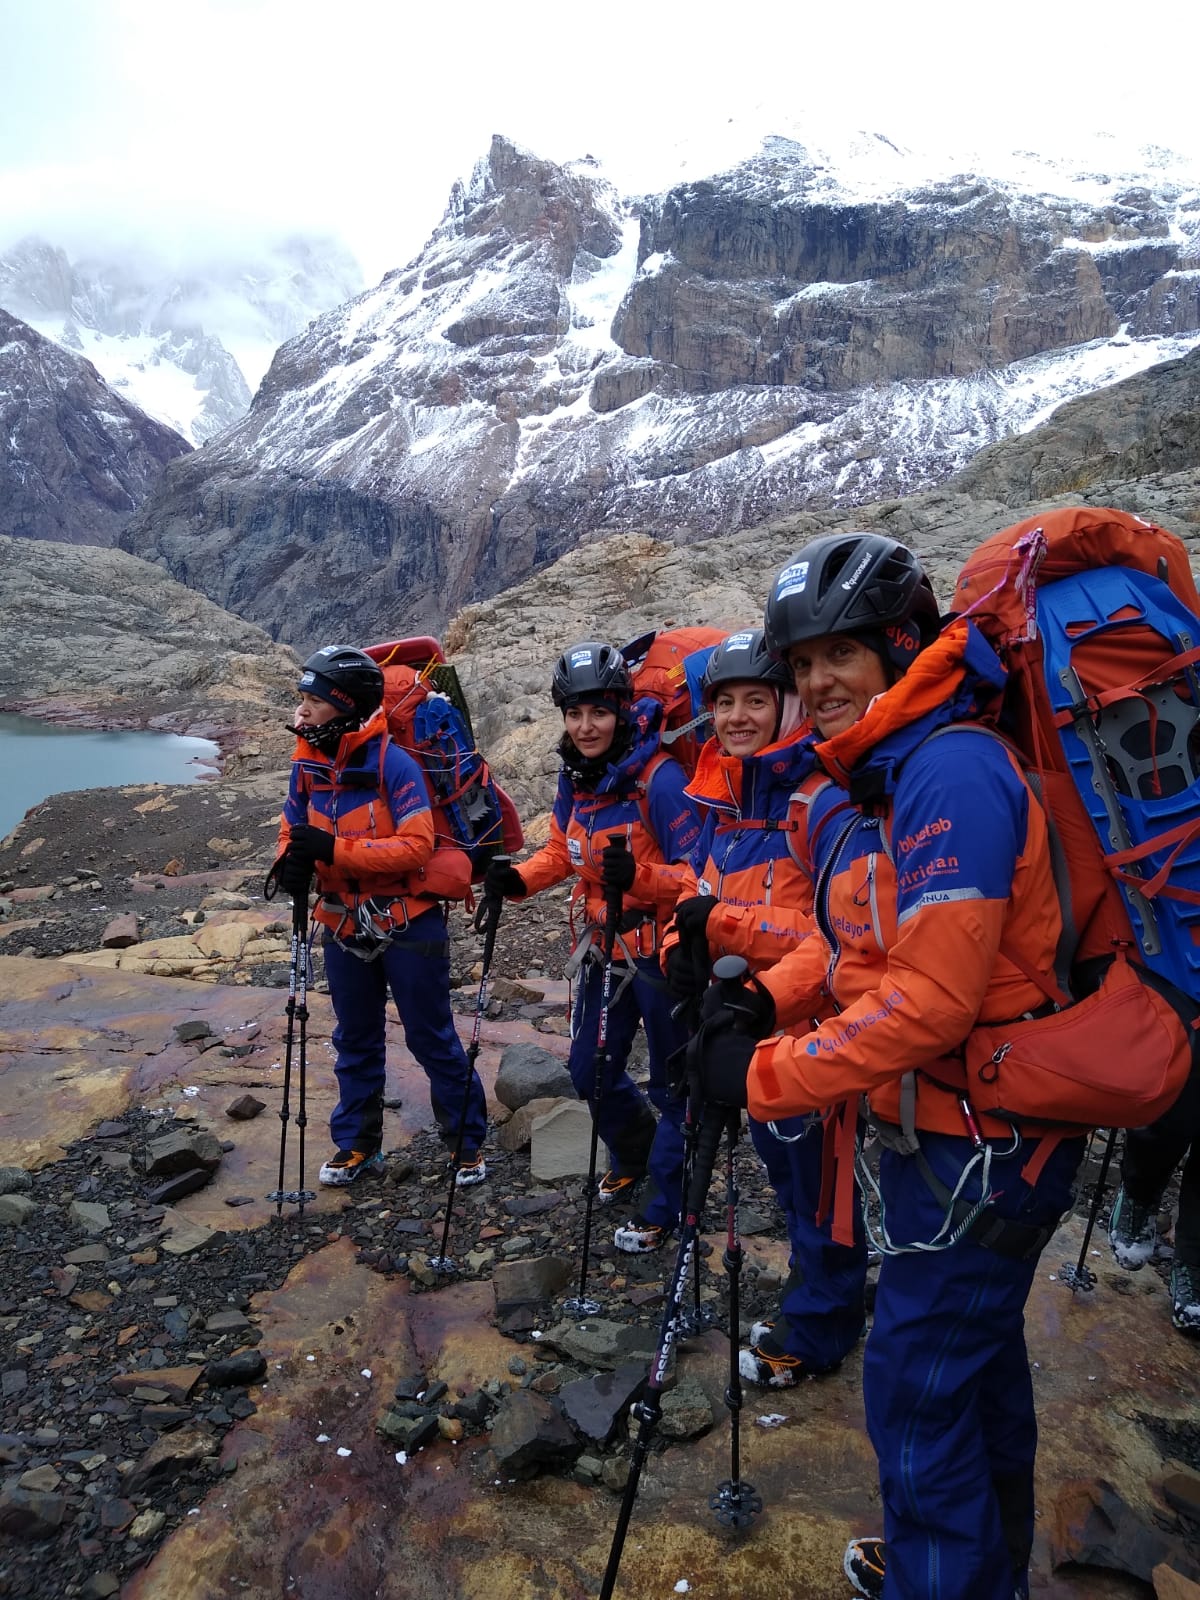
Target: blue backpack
<point x="427" y="716"/>
<point x="1095" y="613"/>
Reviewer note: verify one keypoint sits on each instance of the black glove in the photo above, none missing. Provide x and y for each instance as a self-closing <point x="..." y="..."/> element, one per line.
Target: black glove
<point x="752" y="1013"/>
<point x="691" y="918"/>
<point x="293" y="875"/>
<point x="502" y="881"/>
<point x="687" y="977"/>
<point x="719" y="1061"/>
<point x="617" y="869"/>
<point x="310" y="845"/>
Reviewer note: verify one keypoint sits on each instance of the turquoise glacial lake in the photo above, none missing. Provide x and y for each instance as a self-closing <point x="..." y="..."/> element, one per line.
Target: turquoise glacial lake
<point x="38" y="759"/>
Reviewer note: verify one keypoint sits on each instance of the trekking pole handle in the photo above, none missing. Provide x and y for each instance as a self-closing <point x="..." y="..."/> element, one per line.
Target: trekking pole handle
<point x="731" y="973"/>
<point x="491" y="908"/>
<point x="613" y="897"/>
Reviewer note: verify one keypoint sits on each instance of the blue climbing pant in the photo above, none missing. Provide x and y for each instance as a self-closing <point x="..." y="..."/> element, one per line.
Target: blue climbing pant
<point x="415" y="967"/>
<point x="624" y="1121"/>
<point x="822" y="1306"/>
<point x="946" y="1379"/>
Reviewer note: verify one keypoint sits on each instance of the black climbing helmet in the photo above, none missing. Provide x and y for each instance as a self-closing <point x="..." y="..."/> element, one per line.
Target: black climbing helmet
<point x="346" y="678"/>
<point x="590" y="670"/>
<point x="744" y="658"/>
<point x="854" y="583"/>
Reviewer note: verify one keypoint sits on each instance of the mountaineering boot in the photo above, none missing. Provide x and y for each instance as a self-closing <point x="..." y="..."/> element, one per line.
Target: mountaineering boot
<point x="637" y="1236"/>
<point x="759" y="1330"/>
<point x="347" y="1166"/>
<point x="1132" y="1232"/>
<point x="1185" y="1297"/>
<point x="615" y="1186"/>
<point x="768" y="1364"/>
<point x="472" y="1170"/>
<point x="863" y="1564"/>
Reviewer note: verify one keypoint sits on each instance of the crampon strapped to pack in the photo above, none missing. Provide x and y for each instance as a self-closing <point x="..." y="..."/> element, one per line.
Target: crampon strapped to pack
<point x="1095" y="614"/>
<point x="668" y="667"/>
<point x="427" y="716"/>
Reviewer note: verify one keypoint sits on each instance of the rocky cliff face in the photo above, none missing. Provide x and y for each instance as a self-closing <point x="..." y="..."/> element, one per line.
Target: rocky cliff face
<point x="1142" y="429"/>
<point x="558" y="365"/>
<point x="78" y="458"/>
<point x="1134" y="446"/>
<point x="99" y="636"/>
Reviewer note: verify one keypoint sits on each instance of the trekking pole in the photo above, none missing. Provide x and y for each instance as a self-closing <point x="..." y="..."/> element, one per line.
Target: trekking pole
<point x="734" y="1502"/>
<point x="700" y="1317"/>
<point x="697" y="1318"/>
<point x="579" y="1305"/>
<point x="1078" y="1275"/>
<point x="297" y="1011"/>
<point x="648" y="1409"/>
<point x="492" y="907"/>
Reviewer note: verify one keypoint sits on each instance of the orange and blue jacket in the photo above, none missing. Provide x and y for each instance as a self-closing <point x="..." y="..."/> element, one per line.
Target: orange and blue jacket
<point x="940" y="860"/>
<point x="642" y="798"/>
<point x="371" y="796"/>
<point x="744" y="855"/>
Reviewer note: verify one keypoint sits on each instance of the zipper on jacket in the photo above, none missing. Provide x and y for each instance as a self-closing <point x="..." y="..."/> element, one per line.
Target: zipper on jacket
<point x="821" y="900"/>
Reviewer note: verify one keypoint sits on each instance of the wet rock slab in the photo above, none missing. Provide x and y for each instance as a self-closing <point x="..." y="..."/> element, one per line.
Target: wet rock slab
<point x="312" y="1487"/>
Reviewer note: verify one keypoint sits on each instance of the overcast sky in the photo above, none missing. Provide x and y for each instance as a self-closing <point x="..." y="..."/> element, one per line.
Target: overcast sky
<point x="185" y="120"/>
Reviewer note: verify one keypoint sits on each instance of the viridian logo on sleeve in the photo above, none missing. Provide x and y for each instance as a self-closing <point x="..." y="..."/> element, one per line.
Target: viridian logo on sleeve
<point x="846" y="1034"/>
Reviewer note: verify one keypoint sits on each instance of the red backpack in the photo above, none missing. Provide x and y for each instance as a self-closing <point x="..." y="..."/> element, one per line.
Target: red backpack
<point x="1095" y="615"/>
<point x="427" y="716"/>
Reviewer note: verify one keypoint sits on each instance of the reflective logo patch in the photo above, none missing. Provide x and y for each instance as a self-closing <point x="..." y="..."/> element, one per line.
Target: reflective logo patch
<point x="791" y="580"/>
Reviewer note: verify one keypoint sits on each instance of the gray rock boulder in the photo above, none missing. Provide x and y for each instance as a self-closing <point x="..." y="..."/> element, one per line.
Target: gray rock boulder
<point x="528" y="1072"/>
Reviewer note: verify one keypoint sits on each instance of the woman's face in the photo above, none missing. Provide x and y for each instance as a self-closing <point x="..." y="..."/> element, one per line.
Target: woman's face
<point x="837" y="677"/>
<point x="314" y="713"/>
<point x="591" y="729"/>
<point x="744" y="717"/>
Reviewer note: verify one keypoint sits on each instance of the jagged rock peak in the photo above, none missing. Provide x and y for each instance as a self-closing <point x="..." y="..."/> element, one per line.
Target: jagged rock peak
<point x="511" y="190"/>
<point x="556" y="366"/>
<point x="184" y="338"/>
<point x="79" y="458"/>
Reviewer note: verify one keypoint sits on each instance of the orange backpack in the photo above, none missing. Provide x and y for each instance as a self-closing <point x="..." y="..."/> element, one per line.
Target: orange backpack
<point x="427" y="716"/>
<point x="1095" y="615"/>
<point x="668" y="667"/>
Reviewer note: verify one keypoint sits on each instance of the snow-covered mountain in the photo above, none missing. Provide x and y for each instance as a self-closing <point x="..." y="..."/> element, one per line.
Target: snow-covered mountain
<point x="187" y="343"/>
<point x="560" y="363"/>
<point x="77" y="457"/>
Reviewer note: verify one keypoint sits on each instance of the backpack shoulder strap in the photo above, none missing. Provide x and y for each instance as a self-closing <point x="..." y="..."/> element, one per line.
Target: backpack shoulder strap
<point x="1058" y="992"/>
<point x="645" y="778"/>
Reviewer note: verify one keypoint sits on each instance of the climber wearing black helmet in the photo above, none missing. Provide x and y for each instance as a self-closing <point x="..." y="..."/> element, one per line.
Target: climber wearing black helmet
<point x="745" y="894"/>
<point x="934" y="900"/>
<point x="615" y="780"/>
<point x="357" y="815"/>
